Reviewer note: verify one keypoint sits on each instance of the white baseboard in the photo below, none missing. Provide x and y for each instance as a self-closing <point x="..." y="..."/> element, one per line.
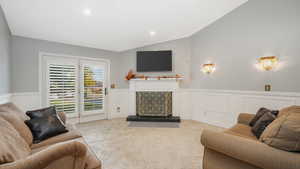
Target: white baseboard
<point x="84" y="119"/>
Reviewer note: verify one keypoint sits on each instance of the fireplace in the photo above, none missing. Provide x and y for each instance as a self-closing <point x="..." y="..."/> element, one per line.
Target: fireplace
<point x="154" y="100"/>
<point x="154" y="104"/>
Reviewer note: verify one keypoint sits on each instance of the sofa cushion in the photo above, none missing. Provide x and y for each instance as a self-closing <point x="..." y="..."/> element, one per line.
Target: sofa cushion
<point x="45" y="127"/>
<point x="284" y="132"/>
<point x="13" y="147"/>
<point x="17" y="122"/>
<point x="287" y="110"/>
<point x="10" y="107"/>
<point x="260" y="113"/>
<point x="241" y="130"/>
<point x="71" y="134"/>
<point x="262" y="124"/>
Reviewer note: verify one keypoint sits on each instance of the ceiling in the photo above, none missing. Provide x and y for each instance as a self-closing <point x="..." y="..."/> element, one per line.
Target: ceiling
<point x="115" y="25"/>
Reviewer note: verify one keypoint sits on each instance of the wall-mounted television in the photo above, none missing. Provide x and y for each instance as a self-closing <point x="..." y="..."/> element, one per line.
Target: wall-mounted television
<point x="154" y="61"/>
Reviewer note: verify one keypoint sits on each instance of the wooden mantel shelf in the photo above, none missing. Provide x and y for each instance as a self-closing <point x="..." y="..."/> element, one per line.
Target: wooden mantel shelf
<point x="156" y="79"/>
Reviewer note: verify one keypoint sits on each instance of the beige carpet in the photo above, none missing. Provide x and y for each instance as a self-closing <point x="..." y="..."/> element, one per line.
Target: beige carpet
<point x="122" y="147"/>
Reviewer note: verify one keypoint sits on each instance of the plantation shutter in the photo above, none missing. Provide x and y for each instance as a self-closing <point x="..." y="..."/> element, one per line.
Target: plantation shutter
<point x="62" y="87"/>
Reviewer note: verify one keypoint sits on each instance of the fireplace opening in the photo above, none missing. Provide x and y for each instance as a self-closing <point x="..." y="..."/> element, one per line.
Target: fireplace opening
<point x="154" y="104"/>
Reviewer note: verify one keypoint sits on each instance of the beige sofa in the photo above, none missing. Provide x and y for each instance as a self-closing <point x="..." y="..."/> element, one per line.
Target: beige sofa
<point x="238" y="148"/>
<point x="65" y="151"/>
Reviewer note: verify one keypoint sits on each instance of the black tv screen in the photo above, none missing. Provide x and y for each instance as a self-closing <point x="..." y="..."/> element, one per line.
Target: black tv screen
<point x="154" y="61"/>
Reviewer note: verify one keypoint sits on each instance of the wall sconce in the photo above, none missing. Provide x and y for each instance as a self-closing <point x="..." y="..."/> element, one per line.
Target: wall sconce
<point x="208" y="68"/>
<point x="268" y="62"/>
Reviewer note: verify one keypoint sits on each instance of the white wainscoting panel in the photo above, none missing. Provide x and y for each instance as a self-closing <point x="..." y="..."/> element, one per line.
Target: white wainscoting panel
<point x="222" y="107"/>
<point x="216" y="107"/>
<point x="5" y="98"/>
<point x="252" y="103"/>
<point x="119" y="98"/>
<point x="182" y="105"/>
<point x="27" y="101"/>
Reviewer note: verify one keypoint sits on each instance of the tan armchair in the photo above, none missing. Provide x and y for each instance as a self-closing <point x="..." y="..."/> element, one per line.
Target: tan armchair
<point x="238" y="148"/>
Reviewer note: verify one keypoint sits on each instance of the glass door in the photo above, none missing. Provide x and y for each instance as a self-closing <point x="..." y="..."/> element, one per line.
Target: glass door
<point x="76" y="86"/>
<point x="93" y="87"/>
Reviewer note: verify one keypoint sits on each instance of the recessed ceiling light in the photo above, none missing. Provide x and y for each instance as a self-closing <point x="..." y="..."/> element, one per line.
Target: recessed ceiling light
<point x="87" y="12"/>
<point x="152" y="33"/>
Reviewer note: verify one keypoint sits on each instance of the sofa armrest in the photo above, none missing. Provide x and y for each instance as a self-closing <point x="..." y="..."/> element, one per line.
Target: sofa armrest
<point x="50" y="155"/>
<point x="62" y="116"/>
<point x="245" y="118"/>
<point x="250" y="151"/>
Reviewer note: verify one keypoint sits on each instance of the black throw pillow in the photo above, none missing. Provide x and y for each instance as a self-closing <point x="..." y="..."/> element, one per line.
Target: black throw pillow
<point x="262" y="124"/>
<point x="45" y="112"/>
<point x="260" y="113"/>
<point x="43" y="128"/>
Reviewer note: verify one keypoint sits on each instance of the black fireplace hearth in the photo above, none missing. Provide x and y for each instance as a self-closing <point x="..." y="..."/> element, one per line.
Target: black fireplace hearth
<point x="154" y="119"/>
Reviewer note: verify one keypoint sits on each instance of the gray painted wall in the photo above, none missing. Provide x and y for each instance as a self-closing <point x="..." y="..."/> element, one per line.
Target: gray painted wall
<point x="181" y="61"/>
<point x="25" y="60"/>
<point x="5" y="39"/>
<point x="233" y="43"/>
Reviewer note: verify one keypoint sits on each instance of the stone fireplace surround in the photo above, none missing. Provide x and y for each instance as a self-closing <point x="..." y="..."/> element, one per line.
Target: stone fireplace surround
<point x="170" y="85"/>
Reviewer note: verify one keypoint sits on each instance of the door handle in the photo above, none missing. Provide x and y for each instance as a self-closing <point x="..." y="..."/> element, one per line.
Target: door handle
<point x="105" y="91"/>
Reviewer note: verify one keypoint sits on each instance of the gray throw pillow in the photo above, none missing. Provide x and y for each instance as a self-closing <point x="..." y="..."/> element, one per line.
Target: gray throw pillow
<point x="262" y="124"/>
<point x="284" y="132"/>
<point x="260" y="113"/>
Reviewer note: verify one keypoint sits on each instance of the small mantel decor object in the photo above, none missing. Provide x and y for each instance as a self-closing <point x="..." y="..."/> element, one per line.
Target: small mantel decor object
<point x="130" y="75"/>
<point x="267" y="88"/>
<point x="268" y="62"/>
<point x="177" y="77"/>
<point x="113" y="86"/>
<point x="208" y="68"/>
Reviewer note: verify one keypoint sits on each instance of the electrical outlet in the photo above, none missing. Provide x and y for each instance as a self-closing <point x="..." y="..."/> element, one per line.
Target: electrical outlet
<point x="118" y="109"/>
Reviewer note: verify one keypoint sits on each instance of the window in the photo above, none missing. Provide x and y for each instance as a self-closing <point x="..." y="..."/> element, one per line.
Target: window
<point x="93" y="88"/>
<point x="62" y="90"/>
